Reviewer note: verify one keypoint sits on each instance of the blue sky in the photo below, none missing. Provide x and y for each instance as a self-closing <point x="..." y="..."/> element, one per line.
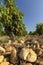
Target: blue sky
<point x="33" y="12"/>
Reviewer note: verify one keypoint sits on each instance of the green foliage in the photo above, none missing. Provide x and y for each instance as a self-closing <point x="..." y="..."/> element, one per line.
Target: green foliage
<point x="0" y="2"/>
<point x="30" y="33"/>
<point x="39" y="28"/>
<point x="1" y="30"/>
<point x="9" y="2"/>
<point x="33" y="33"/>
<point x="38" y="31"/>
<point x="11" y="18"/>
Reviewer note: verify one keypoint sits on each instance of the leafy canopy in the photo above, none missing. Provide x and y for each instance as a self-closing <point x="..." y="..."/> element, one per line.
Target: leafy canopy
<point x="11" y="18"/>
<point x="39" y="28"/>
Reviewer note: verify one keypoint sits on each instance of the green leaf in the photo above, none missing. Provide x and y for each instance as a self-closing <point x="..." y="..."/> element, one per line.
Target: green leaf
<point x="1" y="3"/>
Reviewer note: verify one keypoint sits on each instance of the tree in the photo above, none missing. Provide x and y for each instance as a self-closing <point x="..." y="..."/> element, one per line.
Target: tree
<point x="38" y="31"/>
<point x="11" y="18"/>
<point x="39" y="28"/>
<point x="30" y="33"/>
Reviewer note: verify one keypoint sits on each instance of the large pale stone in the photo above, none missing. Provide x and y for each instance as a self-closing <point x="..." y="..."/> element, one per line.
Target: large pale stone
<point x="1" y="58"/>
<point x="24" y="53"/>
<point x="28" y="55"/>
<point x="31" y="56"/>
<point x="13" y="56"/>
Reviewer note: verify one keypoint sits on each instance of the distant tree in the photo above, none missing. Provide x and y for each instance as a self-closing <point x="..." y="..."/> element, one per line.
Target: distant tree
<point x="39" y="28"/>
<point x="30" y="33"/>
<point x="34" y="33"/>
<point x="11" y="18"/>
<point x="38" y="31"/>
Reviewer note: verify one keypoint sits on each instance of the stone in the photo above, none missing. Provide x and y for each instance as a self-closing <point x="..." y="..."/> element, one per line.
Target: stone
<point x="42" y="46"/>
<point x="4" y="63"/>
<point x="32" y="56"/>
<point x="24" y="63"/>
<point x="1" y="58"/>
<point x="5" y="60"/>
<point x="40" y="61"/>
<point x="40" y="52"/>
<point x="13" y="56"/>
<point x="9" y="49"/>
<point x="2" y="49"/>
<point x="28" y="64"/>
<point x="21" y="41"/>
<point x="24" y="52"/>
<point x="28" y="55"/>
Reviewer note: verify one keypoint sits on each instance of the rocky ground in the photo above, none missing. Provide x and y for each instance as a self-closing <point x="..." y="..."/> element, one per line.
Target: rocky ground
<point x="27" y="50"/>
